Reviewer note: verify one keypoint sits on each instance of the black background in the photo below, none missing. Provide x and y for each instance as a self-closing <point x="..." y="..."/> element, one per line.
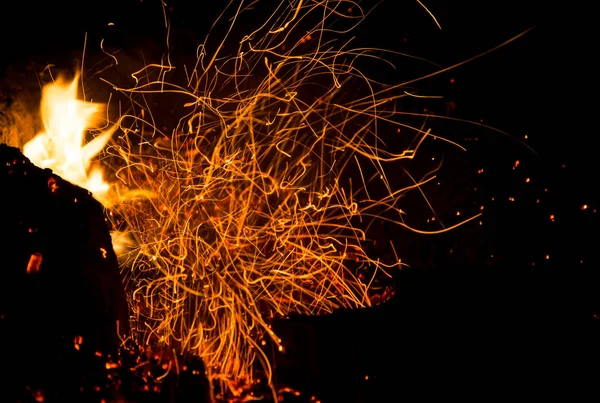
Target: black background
<point x="494" y="316"/>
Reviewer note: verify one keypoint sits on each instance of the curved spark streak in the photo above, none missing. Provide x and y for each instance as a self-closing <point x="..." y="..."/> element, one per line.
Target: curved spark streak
<point x="248" y="209"/>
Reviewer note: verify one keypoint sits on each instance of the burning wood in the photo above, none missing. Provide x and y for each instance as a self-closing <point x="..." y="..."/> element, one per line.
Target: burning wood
<point x="61" y="277"/>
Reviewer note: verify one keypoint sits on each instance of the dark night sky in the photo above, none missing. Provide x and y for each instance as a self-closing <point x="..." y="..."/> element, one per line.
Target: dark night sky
<point x="462" y="324"/>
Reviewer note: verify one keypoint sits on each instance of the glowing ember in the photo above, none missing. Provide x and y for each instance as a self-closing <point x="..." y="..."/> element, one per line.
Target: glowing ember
<point x="34" y="264"/>
<point x="60" y="147"/>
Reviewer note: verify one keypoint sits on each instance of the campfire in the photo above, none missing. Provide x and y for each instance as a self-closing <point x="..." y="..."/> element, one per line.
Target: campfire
<point x="168" y="252"/>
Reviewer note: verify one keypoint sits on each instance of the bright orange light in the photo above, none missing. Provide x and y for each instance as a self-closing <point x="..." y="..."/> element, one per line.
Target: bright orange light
<point x="263" y="192"/>
<point x="60" y="146"/>
<point x="259" y="202"/>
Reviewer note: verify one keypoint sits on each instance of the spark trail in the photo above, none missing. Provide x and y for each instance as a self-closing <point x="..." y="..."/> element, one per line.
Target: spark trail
<point x="257" y="205"/>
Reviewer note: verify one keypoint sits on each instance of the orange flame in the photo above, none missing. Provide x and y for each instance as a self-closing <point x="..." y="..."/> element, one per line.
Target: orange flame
<point x="60" y="146"/>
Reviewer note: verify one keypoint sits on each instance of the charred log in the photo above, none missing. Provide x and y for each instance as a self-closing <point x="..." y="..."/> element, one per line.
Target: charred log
<point x="61" y="289"/>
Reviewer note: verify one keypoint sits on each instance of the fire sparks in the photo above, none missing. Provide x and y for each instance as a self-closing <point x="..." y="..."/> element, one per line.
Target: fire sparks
<point x="60" y="146"/>
<point x="263" y="193"/>
<point x="262" y="196"/>
<point x="34" y="264"/>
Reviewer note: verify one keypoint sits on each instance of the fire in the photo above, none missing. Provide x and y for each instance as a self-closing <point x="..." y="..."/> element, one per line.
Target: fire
<point x="264" y="192"/>
<point x="259" y="203"/>
<point x="60" y="147"/>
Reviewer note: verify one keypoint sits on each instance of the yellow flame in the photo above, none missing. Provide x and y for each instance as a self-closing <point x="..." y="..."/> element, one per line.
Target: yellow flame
<point x="60" y="146"/>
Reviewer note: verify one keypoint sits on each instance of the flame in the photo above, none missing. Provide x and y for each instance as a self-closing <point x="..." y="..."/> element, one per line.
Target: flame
<point x="60" y="147"/>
